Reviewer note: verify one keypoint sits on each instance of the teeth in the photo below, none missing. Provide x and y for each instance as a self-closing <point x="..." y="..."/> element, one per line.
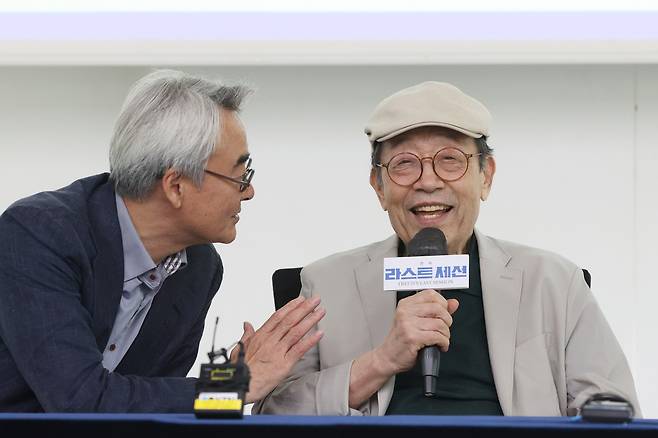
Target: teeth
<point x="431" y="208"/>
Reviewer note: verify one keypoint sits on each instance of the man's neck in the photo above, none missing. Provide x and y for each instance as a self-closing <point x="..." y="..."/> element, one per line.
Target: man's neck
<point x="155" y="222"/>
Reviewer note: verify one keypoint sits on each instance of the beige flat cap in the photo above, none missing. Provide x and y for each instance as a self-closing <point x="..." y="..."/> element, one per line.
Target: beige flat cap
<point x="428" y="104"/>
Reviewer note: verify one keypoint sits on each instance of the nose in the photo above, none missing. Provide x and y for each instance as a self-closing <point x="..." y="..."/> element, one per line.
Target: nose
<point x="249" y="193"/>
<point x="429" y="180"/>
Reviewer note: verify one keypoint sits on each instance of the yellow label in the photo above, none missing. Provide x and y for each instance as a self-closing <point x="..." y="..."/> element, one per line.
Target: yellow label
<point x="218" y="405"/>
<point x="224" y="374"/>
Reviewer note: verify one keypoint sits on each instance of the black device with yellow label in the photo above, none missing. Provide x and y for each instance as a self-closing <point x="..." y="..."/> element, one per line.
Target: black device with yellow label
<point x="222" y="388"/>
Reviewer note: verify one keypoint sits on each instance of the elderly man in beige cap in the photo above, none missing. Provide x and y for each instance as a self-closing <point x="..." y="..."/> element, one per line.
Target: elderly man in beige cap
<point x="526" y="338"/>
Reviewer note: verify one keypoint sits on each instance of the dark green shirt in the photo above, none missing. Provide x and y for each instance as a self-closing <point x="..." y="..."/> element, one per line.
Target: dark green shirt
<point x="465" y="385"/>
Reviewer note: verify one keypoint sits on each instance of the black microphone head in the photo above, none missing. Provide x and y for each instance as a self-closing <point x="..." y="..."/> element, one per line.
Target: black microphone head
<point x="427" y="242"/>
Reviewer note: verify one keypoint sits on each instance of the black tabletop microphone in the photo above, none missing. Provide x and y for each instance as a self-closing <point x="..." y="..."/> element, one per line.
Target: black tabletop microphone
<point x="429" y="242"/>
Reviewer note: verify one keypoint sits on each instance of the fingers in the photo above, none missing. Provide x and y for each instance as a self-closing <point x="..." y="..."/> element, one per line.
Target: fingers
<point x="248" y="332"/>
<point x="426" y="318"/>
<point x="422" y="332"/>
<point x="433" y="325"/>
<point x="294" y="317"/>
<point x="432" y="311"/>
<point x="281" y="342"/>
<point x="246" y="337"/>
<point x="427" y="296"/>
<point x="300" y="348"/>
<point x="291" y="322"/>
<point x="278" y="316"/>
<point x="453" y="305"/>
<point x="423" y="298"/>
<point x="428" y="304"/>
<point x="299" y="330"/>
<point x="428" y="338"/>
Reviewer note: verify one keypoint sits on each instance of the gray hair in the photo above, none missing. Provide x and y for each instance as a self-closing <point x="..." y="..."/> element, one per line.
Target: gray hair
<point x="169" y="120"/>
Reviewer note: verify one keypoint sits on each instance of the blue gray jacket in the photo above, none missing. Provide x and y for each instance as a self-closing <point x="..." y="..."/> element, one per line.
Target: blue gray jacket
<point x="61" y="280"/>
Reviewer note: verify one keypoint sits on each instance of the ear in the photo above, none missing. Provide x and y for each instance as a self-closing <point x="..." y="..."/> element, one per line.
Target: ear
<point x="487" y="175"/>
<point x="379" y="190"/>
<point x="173" y="186"/>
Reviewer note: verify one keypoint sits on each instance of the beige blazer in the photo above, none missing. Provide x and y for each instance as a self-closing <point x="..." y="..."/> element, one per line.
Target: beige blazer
<point x="549" y="344"/>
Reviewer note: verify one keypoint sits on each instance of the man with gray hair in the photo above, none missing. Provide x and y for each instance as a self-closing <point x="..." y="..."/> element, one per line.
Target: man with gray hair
<point x="525" y="338"/>
<point x="105" y="284"/>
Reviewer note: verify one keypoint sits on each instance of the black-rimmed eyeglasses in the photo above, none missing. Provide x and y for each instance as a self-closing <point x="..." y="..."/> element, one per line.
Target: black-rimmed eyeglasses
<point x="449" y="164"/>
<point x="244" y="180"/>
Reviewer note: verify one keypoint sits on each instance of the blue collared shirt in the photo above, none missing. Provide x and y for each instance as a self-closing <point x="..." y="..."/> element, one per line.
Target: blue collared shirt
<point x="142" y="280"/>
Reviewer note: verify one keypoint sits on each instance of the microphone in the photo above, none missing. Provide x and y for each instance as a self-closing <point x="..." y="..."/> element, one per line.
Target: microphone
<point x="429" y="242"/>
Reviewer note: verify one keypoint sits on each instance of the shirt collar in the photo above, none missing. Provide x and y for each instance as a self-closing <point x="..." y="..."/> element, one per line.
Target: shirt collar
<point x="472" y="246"/>
<point x="136" y="260"/>
<point x="169" y="266"/>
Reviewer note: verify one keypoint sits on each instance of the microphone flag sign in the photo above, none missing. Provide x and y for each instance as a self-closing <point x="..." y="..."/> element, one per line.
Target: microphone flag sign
<point x="426" y="272"/>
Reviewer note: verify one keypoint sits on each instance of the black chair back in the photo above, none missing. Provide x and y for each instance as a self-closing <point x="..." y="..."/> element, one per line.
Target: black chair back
<point x="588" y="277"/>
<point x="287" y="284"/>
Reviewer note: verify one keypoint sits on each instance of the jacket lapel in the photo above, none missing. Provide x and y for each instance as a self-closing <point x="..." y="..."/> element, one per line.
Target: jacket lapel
<point x="501" y="294"/>
<point x="108" y="262"/>
<point x="378" y="306"/>
<point x="159" y="327"/>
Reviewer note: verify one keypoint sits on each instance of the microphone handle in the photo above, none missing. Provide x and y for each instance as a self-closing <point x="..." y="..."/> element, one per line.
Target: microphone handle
<point x="430" y="359"/>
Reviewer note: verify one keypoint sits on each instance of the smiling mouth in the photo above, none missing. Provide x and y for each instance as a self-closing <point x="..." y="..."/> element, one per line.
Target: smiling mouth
<point x="431" y="211"/>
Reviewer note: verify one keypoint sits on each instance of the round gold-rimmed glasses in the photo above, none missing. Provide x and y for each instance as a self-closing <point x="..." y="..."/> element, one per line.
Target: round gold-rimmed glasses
<point x="406" y="168"/>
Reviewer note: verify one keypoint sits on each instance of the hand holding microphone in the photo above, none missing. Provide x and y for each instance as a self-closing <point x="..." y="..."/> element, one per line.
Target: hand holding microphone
<point x="429" y="242"/>
<point x="421" y="327"/>
<point x="421" y="320"/>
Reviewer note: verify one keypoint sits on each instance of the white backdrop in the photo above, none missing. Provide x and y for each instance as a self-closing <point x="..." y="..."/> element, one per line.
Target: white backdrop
<point x="574" y="145"/>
